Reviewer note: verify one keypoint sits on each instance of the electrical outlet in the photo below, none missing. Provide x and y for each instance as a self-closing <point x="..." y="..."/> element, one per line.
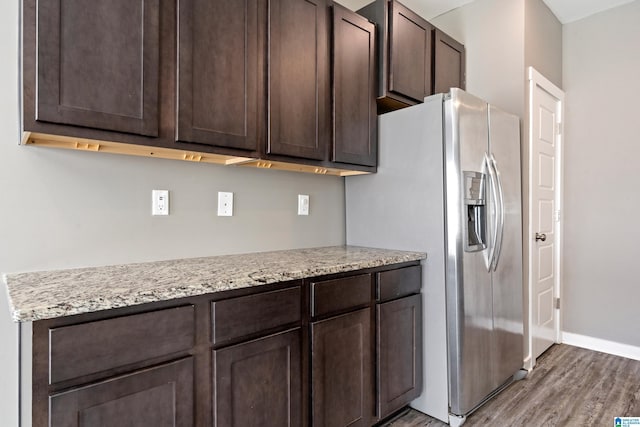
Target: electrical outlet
<point x="160" y="202"/>
<point x="303" y="204"/>
<point x="225" y="203"/>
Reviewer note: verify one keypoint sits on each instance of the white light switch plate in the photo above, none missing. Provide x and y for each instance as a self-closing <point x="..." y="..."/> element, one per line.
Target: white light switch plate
<point x="160" y="202"/>
<point x="225" y="203"/>
<point x="303" y="204"/>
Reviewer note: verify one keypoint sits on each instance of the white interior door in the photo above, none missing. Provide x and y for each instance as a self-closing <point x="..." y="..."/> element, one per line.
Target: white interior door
<point x="544" y="212"/>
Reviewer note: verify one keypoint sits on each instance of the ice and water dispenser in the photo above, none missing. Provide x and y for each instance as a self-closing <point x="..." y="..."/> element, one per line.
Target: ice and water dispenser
<point x="475" y="208"/>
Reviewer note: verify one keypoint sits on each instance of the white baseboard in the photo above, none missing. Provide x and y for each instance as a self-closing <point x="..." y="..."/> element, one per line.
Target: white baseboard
<point x="604" y="346"/>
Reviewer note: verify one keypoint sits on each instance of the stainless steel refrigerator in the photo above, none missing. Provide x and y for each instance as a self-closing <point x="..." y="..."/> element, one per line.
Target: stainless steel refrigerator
<point x="448" y="184"/>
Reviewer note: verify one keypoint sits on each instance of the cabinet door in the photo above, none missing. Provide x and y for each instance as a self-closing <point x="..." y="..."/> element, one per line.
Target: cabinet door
<point x="220" y="57"/>
<point x="449" y="63"/>
<point x="299" y="99"/>
<point x="98" y="64"/>
<point x="258" y="383"/>
<point x="354" y="85"/>
<point x="160" y="396"/>
<point x="409" y="54"/>
<point x="399" y="352"/>
<point x="341" y="368"/>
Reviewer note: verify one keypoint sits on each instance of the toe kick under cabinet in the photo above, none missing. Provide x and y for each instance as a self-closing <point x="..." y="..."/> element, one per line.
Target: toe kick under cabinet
<point x="339" y="350"/>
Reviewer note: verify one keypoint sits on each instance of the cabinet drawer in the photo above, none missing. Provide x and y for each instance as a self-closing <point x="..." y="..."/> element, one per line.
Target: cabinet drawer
<point x="244" y="316"/>
<point x="332" y="296"/>
<point x="398" y="283"/>
<point x="94" y="347"/>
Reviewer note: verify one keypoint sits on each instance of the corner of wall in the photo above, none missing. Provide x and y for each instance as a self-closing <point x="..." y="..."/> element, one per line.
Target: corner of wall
<point x="543" y="41"/>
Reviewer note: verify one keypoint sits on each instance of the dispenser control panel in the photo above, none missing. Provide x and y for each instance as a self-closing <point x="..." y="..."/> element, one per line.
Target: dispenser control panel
<point x="474" y="187"/>
<point x="475" y="231"/>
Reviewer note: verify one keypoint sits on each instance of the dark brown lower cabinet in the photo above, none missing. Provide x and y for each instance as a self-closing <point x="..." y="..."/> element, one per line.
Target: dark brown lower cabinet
<point x="341" y="370"/>
<point x="154" y="397"/>
<point x="300" y="353"/>
<point x="399" y="351"/>
<point x="258" y="383"/>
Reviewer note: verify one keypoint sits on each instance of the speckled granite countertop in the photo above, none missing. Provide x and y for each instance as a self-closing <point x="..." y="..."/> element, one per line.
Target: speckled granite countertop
<point x="49" y="294"/>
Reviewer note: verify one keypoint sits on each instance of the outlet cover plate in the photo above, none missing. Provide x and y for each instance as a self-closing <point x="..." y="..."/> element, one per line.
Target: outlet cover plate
<point x="303" y="204"/>
<point x="159" y="202"/>
<point x="225" y="203"/>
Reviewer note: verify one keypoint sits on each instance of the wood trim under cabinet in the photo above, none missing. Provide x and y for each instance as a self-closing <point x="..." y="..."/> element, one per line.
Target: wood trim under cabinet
<point x="83" y="144"/>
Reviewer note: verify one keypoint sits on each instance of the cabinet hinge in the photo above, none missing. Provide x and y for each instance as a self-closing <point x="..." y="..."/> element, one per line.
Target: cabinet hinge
<point x="558" y="303"/>
<point x="559" y="128"/>
<point x="556" y="216"/>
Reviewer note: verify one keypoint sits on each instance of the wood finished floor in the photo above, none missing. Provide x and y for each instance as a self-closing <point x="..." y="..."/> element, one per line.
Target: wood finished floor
<point x="569" y="386"/>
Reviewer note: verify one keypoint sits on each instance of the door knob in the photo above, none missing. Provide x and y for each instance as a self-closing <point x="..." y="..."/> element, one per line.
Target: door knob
<point x="541" y="236"/>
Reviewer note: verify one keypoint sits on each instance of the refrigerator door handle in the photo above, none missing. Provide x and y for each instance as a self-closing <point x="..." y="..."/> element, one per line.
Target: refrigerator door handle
<point x="500" y="215"/>
<point x="493" y="181"/>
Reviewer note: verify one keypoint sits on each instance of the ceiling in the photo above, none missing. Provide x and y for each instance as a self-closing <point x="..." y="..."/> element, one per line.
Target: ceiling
<point x="572" y="10"/>
<point x="565" y="10"/>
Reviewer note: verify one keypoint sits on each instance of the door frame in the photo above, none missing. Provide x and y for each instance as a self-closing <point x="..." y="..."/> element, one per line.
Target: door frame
<point x="536" y="79"/>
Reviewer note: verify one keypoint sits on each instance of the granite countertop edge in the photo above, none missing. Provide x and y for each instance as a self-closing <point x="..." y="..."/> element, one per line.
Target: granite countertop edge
<point x="59" y="293"/>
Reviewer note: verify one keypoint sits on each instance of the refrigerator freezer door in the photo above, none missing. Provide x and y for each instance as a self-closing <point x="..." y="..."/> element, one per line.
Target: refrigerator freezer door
<point x="504" y="144"/>
<point x="468" y="283"/>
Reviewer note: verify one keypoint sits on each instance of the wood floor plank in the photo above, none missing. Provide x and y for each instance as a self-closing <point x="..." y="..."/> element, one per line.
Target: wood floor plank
<point x="569" y="386"/>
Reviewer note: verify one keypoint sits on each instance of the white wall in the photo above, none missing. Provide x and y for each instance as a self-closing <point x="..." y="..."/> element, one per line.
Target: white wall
<point x="602" y="207"/>
<point x="543" y="41"/>
<point x="493" y="34"/>
<point x="62" y="209"/>
<point x="8" y="135"/>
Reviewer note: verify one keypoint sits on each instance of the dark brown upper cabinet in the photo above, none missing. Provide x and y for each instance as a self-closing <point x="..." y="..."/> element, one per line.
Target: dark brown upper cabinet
<point x="298" y="79"/>
<point x="98" y="64"/>
<point x="409" y="58"/>
<point x="218" y="81"/>
<point x="404" y="54"/>
<point x="220" y="68"/>
<point x="354" y="86"/>
<point x="415" y="59"/>
<point x="448" y="63"/>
